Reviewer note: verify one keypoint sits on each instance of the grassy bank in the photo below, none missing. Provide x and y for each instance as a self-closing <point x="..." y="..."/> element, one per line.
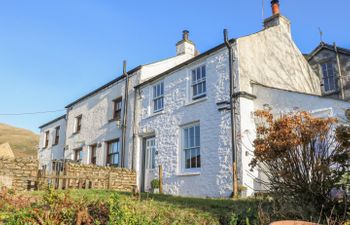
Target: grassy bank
<point x="154" y="209"/>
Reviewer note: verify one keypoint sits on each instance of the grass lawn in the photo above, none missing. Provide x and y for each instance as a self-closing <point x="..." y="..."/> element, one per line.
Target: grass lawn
<point x="164" y="209"/>
<point x="168" y="209"/>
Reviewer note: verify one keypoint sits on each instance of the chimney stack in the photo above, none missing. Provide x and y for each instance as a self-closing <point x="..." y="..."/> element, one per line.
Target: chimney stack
<point x="275" y="5"/>
<point x="277" y="19"/>
<point x="185" y="34"/>
<point x="185" y="46"/>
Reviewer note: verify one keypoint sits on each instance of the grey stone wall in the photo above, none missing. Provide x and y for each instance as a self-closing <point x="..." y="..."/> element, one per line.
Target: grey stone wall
<point x="328" y="56"/>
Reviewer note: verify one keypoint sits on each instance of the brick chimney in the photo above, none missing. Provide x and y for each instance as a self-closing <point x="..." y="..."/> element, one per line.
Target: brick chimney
<point x="277" y="19"/>
<point x="185" y="46"/>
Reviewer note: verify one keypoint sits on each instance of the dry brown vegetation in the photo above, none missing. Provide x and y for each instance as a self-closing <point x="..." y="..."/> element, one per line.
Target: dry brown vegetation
<point x="23" y="142"/>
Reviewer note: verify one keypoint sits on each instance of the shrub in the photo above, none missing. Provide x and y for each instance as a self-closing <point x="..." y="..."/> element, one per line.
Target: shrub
<point x="303" y="161"/>
<point x="155" y="184"/>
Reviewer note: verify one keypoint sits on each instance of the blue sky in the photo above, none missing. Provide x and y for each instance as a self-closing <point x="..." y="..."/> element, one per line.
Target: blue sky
<point x="53" y="52"/>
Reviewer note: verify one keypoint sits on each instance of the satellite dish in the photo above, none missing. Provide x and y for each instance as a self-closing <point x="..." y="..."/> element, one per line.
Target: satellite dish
<point x="347" y="114"/>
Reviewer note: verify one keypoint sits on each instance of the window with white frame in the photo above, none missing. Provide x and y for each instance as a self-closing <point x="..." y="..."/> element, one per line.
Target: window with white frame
<point x="191" y="146"/>
<point x="158" y="97"/>
<point x="199" y="86"/>
<point x="329" y="77"/>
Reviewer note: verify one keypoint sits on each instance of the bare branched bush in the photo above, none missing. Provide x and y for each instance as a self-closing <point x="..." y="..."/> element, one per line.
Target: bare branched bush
<point x="304" y="159"/>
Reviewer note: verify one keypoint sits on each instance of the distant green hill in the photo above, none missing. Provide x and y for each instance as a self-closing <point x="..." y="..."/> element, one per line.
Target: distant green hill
<point x="24" y="143"/>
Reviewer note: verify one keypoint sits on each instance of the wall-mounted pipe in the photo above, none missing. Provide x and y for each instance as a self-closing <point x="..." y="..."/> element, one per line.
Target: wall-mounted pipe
<point x="125" y="114"/>
<point x="233" y="115"/>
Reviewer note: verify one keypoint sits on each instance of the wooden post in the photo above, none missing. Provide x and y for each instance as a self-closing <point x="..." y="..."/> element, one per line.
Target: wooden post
<point x="67" y="183"/>
<point x="235" y="181"/>
<point x="60" y="181"/>
<point x="109" y="181"/>
<point x="160" y="179"/>
<point x="53" y="180"/>
<point x="80" y="183"/>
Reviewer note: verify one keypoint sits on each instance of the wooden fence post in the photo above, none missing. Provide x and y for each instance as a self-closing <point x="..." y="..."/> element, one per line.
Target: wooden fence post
<point x="160" y="179"/>
<point x="109" y="181"/>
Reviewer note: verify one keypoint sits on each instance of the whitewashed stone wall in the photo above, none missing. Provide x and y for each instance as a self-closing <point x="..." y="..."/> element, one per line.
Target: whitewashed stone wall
<point x="96" y="126"/>
<point x="214" y="178"/>
<point x="52" y="152"/>
<point x="97" y="111"/>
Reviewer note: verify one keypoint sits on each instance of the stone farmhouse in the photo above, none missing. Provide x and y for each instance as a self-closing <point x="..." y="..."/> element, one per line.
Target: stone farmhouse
<point x="176" y="112"/>
<point x="332" y="64"/>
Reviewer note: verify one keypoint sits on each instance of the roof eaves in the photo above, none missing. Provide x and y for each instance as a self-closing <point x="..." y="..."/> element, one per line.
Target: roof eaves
<point x="53" y="121"/>
<point x="323" y="45"/>
<point x="200" y="56"/>
<point x="103" y="87"/>
<point x="297" y="92"/>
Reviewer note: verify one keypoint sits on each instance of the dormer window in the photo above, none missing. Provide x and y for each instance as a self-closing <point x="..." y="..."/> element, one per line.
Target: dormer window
<point x="199" y="86"/>
<point x="329" y="77"/>
<point x="158" y="97"/>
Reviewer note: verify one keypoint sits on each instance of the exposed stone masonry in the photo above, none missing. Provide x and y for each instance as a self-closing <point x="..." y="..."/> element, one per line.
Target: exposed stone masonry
<point x="15" y="173"/>
<point x="103" y="177"/>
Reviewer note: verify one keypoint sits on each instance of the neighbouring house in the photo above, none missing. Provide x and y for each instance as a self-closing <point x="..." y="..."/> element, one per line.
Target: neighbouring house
<point x="52" y="142"/>
<point x="6" y="151"/>
<point x="332" y="64"/>
<point x="96" y="130"/>
<point x="175" y="113"/>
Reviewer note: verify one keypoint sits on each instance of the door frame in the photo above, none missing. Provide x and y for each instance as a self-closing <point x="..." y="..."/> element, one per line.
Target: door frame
<point x="143" y="161"/>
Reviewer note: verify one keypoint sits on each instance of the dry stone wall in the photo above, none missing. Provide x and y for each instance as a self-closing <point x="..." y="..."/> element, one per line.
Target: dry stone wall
<point x="103" y="177"/>
<point x="15" y="173"/>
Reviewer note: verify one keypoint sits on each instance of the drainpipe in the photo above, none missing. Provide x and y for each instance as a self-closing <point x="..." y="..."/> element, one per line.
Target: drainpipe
<point x="342" y="94"/>
<point x="125" y="114"/>
<point x="233" y="115"/>
<point x="136" y="93"/>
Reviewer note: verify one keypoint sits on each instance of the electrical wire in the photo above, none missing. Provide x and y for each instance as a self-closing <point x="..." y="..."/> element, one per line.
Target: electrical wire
<point x="31" y="113"/>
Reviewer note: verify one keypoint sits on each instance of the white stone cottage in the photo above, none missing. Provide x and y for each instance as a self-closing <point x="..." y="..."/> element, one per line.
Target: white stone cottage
<point x="52" y="142"/>
<point x="178" y="113"/>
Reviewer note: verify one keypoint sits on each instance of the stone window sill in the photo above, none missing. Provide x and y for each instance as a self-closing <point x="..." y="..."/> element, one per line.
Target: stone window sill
<point x="196" y="101"/>
<point x="114" y="120"/>
<point x="155" y="114"/>
<point x="187" y="174"/>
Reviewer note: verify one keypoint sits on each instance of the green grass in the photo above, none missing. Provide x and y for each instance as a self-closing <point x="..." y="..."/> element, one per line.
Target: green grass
<point x="178" y="210"/>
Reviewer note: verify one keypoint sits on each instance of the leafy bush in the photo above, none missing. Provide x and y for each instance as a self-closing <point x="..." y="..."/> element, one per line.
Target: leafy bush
<point x="155" y="184"/>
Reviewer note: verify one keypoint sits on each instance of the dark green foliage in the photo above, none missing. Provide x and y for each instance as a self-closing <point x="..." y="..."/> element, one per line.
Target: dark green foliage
<point x="155" y="183"/>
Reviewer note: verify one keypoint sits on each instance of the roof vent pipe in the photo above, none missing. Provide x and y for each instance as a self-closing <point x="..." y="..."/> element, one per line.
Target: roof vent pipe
<point x="185" y="35"/>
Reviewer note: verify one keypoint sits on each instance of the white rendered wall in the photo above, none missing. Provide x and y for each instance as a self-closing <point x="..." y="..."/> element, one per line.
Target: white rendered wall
<point x="52" y="152"/>
<point x="97" y="111"/>
<point x="270" y="57"/>
<point x="214" y="178"/>
<point x="282" y="101"/>
<point x="97" y="125"/>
